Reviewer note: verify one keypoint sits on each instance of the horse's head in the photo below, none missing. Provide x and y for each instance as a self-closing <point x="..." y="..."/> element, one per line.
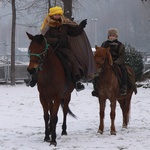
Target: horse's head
<point x="37" y="51"/>
<point x="102" y="55"/>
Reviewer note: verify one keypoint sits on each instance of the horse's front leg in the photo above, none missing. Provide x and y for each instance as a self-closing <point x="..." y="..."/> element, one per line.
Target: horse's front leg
<point x="112" y="116"/>
<point x="102" y="103"/>
<point x="54" y="120"/>
<point x="46" y="117"/>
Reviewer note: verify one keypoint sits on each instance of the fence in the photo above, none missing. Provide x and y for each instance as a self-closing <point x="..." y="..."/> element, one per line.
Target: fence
<point x="21" y="64"/>
<point x="20" y="68"/>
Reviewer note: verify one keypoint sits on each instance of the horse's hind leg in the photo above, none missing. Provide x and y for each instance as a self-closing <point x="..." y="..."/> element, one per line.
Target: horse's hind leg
<point x="122" y="106"/>
<point x="112" y="116"/>
<point x="125" y="106"/>
<point x="65" y="111"/>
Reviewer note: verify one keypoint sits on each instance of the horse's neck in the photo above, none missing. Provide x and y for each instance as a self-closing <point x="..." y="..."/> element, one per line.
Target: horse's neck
<point x="107" y="71"/>
<point x="107" y="67"/>
<point x="51" y="63"/>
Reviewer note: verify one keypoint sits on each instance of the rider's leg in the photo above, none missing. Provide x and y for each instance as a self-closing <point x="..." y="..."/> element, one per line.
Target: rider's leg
<point x="123" y="88"/>
<point x="75" y="70"/>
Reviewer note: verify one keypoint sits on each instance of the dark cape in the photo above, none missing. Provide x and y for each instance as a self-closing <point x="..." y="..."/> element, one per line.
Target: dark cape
<point x="82" y="50"/>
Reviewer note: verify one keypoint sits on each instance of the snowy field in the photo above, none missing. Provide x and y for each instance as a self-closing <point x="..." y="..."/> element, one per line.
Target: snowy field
<point x="22" y="125"/>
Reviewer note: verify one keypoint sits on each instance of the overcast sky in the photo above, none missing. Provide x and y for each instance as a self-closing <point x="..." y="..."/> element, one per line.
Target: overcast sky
<point x="131" y="17"/>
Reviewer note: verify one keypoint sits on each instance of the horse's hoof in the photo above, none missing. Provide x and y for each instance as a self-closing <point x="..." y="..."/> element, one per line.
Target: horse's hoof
<point x="53" y="143"/>
<point x="113" y="132"/>
<point x="124" y="126"/>
<point x="64" y="133"/>
<point x="46" y="139"/>
<point x="100" y="131"/>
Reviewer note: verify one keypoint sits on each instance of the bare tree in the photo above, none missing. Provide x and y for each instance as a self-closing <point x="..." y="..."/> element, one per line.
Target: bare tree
<point x="49" y="4"/>
<point x="146" y="1"/>
<point x="13" y="30"/>
<point x="68" y="8"/>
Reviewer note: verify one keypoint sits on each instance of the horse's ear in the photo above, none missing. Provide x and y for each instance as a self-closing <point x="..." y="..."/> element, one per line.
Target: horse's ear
<point x="110" y="60"/>
<point x="30" y="36"/>
<point x="96" y="47"/>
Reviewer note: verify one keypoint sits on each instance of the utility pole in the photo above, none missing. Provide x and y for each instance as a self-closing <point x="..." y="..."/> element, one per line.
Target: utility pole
<point x="95" y="29"/>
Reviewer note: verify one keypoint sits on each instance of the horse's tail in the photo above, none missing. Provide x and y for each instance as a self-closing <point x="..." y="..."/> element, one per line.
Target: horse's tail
<point x="69" y="111"/>
<point x="131" y="79"/>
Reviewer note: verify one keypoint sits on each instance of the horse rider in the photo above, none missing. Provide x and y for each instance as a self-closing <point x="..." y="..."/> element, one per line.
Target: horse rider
<point x="117" y="50"/>
<point x="60" y="29"/>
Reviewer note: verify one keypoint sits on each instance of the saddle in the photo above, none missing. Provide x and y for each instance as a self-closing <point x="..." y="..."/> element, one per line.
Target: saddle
<point x="130" y="77"/>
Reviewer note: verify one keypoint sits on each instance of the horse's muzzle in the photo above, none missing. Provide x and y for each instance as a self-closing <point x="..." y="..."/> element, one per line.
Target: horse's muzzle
<point x="31" y="71"/>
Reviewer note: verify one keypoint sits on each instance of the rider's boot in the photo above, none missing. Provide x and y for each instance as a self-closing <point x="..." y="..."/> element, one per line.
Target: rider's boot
<point x="79" y="85"/>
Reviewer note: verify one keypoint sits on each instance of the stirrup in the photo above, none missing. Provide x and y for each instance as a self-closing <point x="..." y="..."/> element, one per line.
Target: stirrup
<point x="79" y="86"/>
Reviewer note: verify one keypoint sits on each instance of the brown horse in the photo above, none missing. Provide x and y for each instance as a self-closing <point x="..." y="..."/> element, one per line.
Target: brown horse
<point x="52" y="83"/>
<point x="108" y="88"/>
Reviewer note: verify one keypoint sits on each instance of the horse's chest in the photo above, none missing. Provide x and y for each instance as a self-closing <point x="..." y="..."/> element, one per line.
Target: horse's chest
<point x="108" y="84"/>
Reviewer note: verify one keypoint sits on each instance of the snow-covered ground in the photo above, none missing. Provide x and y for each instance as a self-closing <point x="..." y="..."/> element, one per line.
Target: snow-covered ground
<point x="22" y="125"/>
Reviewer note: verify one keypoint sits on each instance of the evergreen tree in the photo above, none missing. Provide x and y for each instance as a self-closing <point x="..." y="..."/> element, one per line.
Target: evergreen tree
<point x="134" y="59"/>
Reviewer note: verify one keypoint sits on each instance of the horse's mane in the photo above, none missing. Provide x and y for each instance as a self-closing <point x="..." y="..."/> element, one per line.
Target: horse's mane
<point x="102" y="52"/>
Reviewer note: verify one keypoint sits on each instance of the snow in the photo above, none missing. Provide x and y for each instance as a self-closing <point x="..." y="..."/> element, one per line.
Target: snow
<point x="22" y="125"/>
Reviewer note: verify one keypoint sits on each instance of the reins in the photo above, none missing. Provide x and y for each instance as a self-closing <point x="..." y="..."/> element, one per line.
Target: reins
<point x="49" y="56"/>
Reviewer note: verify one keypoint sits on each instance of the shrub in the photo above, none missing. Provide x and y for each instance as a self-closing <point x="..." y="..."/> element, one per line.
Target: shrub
<point x="134" y="59"/>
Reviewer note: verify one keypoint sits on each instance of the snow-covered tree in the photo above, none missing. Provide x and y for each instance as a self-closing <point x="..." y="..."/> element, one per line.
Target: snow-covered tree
<point x="134" y="59"/>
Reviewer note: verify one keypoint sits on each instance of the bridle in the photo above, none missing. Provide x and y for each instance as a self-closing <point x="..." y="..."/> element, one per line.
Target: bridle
<point x="42" y="53"/>
<point x="101" y="67"/>
<point x="42" y="60"/>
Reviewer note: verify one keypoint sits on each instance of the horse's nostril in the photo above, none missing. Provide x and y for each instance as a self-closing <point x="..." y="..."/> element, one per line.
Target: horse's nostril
<point x="28" y="70"/>
<point x="31" y="71"/>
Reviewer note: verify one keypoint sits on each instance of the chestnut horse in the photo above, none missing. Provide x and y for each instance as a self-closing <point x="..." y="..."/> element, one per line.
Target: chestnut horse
<point x="108" y="88"/>
<point x="52" y="83"/>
